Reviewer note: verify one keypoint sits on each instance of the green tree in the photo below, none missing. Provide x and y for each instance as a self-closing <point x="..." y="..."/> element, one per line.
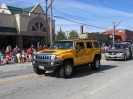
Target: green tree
<point x="60" y="35"/>
<point x="73" y="34"/>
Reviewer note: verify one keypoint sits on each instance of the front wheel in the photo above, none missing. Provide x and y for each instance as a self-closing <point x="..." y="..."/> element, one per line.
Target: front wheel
<point x="66" y="70"/>
<point x="38" y="71"/>
<point x="125" y="57"/>
<point x="96" y="64"/>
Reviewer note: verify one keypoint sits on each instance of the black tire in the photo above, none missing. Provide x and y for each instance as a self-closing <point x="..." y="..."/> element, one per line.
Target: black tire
<point x="38" y="71"/>
<point x="96" y="64"/>
<point x="131" y="56"/>
<point x="125" y="57"/>
<point x="106" y="59"/>
<point x="66" y="70"/>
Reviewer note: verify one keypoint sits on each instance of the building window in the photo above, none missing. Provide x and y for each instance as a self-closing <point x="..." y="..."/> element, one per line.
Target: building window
<point x="38" y="27"/>
<point x="27" y="41"/>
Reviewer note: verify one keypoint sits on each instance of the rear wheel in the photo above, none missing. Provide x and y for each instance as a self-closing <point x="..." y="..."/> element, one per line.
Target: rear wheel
<point x="96" y="64"/>
<point x="66" y="70"/>
<point x="38" y="71"/>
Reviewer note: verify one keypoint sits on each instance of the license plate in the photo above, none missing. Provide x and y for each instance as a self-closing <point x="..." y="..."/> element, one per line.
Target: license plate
<point x="41" y="67"/>
<point x="111" y="56"/>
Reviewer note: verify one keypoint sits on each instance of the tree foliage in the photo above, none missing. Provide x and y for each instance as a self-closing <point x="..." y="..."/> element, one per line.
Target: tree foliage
<point x="73" y="34"/>
<point x="60" y="35"/>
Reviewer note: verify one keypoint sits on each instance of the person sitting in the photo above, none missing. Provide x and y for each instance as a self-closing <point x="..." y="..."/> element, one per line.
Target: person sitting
<point x="9" y="58"/>
<point x="1" y="58"/>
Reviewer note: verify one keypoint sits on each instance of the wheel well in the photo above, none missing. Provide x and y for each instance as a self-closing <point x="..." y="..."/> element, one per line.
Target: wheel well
<point x="98" y="55"/>
<point x="69" y="59"/>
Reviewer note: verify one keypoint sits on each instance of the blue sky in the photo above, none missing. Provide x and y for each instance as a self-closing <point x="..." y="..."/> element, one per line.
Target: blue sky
<point x="94" y="15"/>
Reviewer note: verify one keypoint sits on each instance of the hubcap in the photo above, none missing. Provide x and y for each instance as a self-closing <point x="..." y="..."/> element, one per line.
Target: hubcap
<point x="125" y="57"/>
<point x="68" y="70"/>
<point x="97" y="63"/>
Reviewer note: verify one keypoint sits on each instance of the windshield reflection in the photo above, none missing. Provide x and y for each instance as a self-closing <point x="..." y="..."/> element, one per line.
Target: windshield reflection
<point x="117" y="46"/>
<point x="62" y="45"/>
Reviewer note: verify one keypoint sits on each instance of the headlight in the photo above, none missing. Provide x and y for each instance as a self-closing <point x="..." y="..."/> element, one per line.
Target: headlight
<point x="53" y="57"/>
<point x="58" y="57"/>
<point x="106" y="53"/>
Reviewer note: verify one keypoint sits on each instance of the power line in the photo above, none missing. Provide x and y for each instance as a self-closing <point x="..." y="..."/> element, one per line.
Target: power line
<point x="79" y="22"/>
<point x="101" y="2"/>
<point x="84" y="10"/>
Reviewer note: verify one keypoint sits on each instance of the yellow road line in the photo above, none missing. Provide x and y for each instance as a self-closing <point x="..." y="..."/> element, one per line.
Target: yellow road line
<point x="20" y="79"/>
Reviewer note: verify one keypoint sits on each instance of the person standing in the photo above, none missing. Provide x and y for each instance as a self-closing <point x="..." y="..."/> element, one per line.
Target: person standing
<point x="29" y="52"/>
<point x="38" y="46"/>
<point x="44" y="47"/>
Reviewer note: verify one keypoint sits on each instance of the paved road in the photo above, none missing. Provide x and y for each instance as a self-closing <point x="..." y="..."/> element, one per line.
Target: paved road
<point x="113" y="81"/>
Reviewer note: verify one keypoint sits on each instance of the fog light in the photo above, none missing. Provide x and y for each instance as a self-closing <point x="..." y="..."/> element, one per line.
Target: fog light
<point x="52" y="63"/>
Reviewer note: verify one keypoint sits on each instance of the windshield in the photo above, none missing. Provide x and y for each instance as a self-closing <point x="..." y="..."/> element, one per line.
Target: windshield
<point x="117" y="46"/>
<point x="62" y="45"/>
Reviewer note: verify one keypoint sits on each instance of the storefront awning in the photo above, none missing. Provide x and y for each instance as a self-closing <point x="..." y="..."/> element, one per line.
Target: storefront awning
<point x="8" y="29"/>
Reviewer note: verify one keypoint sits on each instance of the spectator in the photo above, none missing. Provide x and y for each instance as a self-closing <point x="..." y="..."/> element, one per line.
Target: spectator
<point x="41" y="48"/>
<point x="18" y="57"/>
<point x="34" y="51"/>
<point x="23" y="58"/>
<point x="1" y="58"/>
<point x="38" y="46"/>
<point x="8" y="50"/>
<point x="15" y="50"/>
<point x="9" y="58"/>
<point x="29" y="52"/>
<point x="44" y="47"/>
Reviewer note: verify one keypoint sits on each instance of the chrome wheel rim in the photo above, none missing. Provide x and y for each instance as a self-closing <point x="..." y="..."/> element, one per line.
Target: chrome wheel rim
<point x="97" y="63"/>
<point x="125" y="57"/>
<point x="68" y="70"/>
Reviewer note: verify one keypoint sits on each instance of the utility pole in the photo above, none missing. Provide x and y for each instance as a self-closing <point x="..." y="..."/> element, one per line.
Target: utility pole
<point x="114" y="27"/>
<point x="51" y="29"/>
<point x="47" y="24"/>
<point x="51" y="25"/>
<point x="113" y="32"/>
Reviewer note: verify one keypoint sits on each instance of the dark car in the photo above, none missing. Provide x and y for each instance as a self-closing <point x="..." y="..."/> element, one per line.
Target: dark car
<point x="128" y="41"/>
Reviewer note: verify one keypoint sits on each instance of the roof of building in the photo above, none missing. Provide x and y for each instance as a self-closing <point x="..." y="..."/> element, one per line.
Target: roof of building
<point x="16" y="10"/>
<point x="8" y="29"/>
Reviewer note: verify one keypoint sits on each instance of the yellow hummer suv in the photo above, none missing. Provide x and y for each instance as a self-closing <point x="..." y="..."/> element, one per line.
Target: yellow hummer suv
<point x="65" y="55"/>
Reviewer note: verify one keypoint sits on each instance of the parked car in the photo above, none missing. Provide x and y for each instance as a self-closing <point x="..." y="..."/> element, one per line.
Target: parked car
<point x="119" y="51"/>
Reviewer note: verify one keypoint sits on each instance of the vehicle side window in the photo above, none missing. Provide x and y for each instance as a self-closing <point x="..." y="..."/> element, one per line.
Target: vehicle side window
<point x="96" y="44"/>
<point x="88" y="44"/>
<point x="80" y="45"/>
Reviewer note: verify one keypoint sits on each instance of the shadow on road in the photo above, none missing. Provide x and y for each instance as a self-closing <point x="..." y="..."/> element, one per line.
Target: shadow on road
<point x="120" y="60"/>
<point x="82" y="72"/>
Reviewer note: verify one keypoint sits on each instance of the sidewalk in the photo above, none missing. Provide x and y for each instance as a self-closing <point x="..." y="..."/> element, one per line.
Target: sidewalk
<point x="15" y="64"/>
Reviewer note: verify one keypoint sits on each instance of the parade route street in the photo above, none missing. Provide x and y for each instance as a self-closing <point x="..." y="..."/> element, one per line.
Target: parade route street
<point x="114" y="80"/>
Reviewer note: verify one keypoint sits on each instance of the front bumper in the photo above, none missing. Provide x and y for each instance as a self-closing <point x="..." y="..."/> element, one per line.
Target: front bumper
<point x="48" y="65"/>
<point x="117" y="56"/>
